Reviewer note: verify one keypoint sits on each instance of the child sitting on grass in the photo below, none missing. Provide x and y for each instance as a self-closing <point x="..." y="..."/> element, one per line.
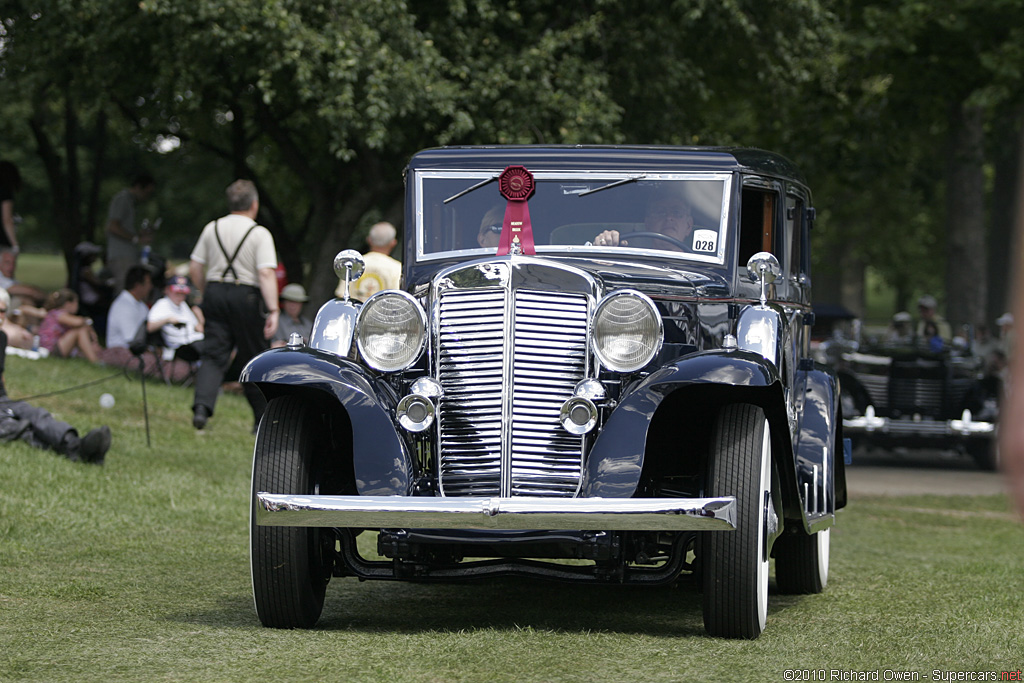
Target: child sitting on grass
<point x="62" y="331"/>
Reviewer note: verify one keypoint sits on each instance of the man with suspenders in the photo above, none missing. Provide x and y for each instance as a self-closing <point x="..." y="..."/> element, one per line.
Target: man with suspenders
<point x="233" y="265"/>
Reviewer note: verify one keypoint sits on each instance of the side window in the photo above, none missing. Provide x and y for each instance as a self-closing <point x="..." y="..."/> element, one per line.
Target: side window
<point x="794" y="235"/>
<point x="757" y="223"/>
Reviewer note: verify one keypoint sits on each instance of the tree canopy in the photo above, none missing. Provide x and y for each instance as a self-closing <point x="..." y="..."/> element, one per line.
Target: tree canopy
<point x="322" y="103"/>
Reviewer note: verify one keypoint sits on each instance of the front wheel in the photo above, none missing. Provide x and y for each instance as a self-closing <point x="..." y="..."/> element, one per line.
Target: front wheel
<point x="735" y="565"/>
<point x="290" y="565"/>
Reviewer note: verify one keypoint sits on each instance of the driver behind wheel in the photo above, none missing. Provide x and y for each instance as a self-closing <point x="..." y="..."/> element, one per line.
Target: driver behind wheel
<point x="667" y="213"/>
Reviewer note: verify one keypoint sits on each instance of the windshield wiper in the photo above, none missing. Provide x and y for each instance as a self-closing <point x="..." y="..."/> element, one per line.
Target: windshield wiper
<point x="471" y="188"/>
<point x="624" y="181"/>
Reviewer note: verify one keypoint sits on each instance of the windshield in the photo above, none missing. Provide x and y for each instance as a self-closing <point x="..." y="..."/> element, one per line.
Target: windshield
<point x="573" y="214"/>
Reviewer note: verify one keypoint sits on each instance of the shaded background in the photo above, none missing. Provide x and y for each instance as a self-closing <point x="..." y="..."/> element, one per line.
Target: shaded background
<point x="905" y="116"/>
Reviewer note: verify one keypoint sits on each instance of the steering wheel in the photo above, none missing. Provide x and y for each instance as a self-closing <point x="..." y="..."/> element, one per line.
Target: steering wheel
<point x="654" y="235"/>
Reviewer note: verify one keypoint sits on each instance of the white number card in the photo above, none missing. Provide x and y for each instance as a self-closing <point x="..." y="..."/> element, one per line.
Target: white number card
<point x="705" y="241"/>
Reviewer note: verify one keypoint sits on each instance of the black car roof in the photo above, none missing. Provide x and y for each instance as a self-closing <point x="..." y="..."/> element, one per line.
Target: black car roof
<point x="609" y="157"/>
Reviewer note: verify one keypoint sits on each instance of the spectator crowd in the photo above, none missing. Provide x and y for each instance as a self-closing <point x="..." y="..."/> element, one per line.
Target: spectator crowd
<point x="124" y="306"/>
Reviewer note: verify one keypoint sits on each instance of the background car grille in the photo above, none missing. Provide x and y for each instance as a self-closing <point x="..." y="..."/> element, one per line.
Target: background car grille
<point x="499" y="432"/>
<point x="917" y="386"/>
<point x="877" y="387"/>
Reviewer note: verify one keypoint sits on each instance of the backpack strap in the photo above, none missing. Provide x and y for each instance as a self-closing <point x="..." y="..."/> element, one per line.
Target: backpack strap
<point x="231" y="259"/>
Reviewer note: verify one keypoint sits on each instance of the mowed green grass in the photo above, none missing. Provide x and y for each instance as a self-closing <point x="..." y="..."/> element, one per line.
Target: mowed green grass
<point x="138" y="571"/>
<point x="46" y="271"/>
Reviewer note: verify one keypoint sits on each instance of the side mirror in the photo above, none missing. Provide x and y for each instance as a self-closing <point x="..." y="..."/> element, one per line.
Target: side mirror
<point x="763" y="267"/>
<point x="349" y="265"/>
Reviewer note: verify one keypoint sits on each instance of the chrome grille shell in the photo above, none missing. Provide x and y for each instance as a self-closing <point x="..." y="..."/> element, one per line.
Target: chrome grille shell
<point x="510" y="342"/>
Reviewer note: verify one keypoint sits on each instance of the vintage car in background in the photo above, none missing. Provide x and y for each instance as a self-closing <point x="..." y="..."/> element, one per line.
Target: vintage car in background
<point x="899" y="393"/>
<point x="563" y="388"/>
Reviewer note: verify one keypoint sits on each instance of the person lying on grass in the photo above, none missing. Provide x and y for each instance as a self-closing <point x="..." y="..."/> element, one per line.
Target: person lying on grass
<point x="37" y="427"/>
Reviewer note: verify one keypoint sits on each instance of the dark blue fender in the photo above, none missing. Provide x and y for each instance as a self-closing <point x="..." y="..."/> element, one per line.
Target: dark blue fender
<point x="617" y="457"/>
<point x="817" y="442"/>
<point x="381" y="458"/>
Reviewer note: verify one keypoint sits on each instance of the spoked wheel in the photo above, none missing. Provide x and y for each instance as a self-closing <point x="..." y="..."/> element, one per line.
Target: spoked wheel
<point x="735" y="563"/>
<point x="290" y="565"/>
<point x="801" y="562"/>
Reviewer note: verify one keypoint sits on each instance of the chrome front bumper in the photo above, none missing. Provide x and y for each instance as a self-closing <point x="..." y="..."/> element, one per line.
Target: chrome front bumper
<point x="964" y="427"/>
<point x="522" y="512"/>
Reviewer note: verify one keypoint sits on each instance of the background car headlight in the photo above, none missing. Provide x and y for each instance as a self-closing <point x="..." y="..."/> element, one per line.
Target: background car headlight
<point x="627" y="331"/>
<point x="391" y="331"/>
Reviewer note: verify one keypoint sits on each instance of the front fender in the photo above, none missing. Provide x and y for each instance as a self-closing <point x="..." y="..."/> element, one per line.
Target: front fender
<point x="818" y="445"/>
<point x="380" y="457"/>
<point x="617" y="457"/>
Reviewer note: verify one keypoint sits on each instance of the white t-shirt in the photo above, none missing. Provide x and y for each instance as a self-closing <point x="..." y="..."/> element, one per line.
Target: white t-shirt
<point x="175" y="336"/>
<point x="124" y="318"/>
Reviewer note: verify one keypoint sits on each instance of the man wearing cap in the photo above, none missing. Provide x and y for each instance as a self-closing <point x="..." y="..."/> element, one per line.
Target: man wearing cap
<point x="899" y="330"/>
<point x="180" y="325"/>
<point x="381" y="271"/>
<point x="926" y="306"/>
<point x="292" y="321"/>
<point x="234" y="265"/>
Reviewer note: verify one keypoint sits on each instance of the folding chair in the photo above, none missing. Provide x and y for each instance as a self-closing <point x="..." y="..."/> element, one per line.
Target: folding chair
<point x="164" y="367"/>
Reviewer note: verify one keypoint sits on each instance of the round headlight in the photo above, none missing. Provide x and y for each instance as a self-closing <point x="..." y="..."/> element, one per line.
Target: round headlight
<point x="391" y="330"/>
<point x="627" y="331"/>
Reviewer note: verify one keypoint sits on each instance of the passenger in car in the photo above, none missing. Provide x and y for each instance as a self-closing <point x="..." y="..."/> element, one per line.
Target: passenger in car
<point x="931" y="338"/>
<point x="899" y="329"/>
<point x="667" y="213"/>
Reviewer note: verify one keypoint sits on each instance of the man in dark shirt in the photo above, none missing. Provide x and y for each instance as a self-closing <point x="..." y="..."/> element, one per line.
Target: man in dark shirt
<point x="37" y="427"/>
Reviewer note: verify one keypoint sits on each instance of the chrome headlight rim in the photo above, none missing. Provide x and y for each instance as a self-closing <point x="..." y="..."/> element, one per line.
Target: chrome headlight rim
<point x="369" y="307"/>
<point x="655" y="347"/>
<point x="578" y="415"/>
<point x="408" y="416"/>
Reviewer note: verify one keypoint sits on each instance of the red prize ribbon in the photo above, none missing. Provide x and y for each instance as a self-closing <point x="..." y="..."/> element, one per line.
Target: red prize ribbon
<point x="516" y="185"/>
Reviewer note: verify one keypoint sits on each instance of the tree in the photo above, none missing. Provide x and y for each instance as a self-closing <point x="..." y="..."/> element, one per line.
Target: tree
<point x="941" y="71"/>
<point x="322" y="103"/>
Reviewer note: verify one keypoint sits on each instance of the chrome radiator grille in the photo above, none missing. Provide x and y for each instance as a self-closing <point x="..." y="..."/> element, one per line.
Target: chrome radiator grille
<point x="506" y="367"/>
<point x="916" y="395"/>
<point x="877" y="387"/>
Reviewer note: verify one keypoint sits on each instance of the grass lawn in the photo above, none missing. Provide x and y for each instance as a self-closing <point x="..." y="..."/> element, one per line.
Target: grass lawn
<point x="138" y="571"/>
<point x="46" y="271"/>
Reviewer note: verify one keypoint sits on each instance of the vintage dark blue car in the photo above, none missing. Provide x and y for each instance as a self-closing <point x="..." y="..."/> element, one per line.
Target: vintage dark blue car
<point x="904" y="395"/>
<point x="597" y="370"/>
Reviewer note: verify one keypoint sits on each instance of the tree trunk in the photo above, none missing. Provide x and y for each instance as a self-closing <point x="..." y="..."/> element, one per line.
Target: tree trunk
<point x="71" y="232"/>
<point x="1010" y="137"/>
<point x="93" y="217"/>
<point x="966" y="273"/>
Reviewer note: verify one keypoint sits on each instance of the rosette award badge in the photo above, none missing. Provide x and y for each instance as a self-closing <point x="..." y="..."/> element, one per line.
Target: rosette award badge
<point x="516" y="185"/>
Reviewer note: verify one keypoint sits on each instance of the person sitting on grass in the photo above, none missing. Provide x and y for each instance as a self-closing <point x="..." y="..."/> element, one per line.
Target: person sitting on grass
<point x="64" y="333"/>
<point x="17" y="336"/>
<point x="180" y="326"/>
<point x="37" y="427"/>
<point x="22" y="293"/>
<point x="130" y="308"/>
